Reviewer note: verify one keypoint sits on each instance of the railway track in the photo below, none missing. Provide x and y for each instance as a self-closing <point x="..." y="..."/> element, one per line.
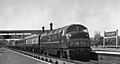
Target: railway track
<point x="55" y="60"/>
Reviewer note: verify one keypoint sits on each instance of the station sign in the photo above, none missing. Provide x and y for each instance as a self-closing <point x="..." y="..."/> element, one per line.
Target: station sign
<point x="109" y="34"/>
<point x="111" y="38"/>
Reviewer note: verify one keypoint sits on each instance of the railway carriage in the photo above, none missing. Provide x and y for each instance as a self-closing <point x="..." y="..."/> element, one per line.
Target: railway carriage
<point x="20" y="44"/>
<point x="32" y="42"/>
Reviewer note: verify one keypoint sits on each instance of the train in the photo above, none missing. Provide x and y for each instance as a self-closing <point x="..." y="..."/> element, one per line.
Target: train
<point x="70" y="42"/>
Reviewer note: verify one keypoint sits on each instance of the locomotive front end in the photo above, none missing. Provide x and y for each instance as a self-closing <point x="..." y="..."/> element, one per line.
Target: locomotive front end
<point x="78" y="42"/>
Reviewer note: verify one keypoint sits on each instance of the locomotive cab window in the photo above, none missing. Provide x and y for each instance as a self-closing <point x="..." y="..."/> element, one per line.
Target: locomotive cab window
<point x="77" y="28"/>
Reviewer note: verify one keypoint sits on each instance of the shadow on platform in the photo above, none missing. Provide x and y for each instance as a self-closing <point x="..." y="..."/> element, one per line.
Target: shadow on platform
<point x="94" y="56"/>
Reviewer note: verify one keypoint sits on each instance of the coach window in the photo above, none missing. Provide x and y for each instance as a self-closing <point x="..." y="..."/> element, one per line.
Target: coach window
<point x="49" y="38"/>
<point x="45" y="39"/>
<point x="56" y="37"/>
<point x="28" y="41"/>
<point x="36" y="40"/>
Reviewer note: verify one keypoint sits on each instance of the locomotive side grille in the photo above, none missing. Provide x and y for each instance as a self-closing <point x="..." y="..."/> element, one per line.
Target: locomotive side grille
<point x="76" y="35"/>
<point x="79" y="43"/>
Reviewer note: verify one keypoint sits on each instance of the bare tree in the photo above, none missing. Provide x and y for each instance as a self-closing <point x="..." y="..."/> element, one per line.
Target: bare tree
<point x="98" y="39"/>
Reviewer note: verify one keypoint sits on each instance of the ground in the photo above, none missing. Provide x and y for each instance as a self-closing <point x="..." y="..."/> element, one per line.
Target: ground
<point x="10" y="57"/>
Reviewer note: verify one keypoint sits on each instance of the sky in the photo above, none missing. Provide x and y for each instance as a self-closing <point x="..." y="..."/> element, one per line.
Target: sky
<point x="96" y="15"/>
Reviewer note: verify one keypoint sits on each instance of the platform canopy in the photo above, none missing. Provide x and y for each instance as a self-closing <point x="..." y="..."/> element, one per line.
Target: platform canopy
<point x="20" y="31"/>
<point x="18" y="34"/>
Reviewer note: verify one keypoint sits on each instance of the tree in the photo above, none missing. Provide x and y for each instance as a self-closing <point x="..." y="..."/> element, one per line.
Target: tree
<point x="98" y="39"/>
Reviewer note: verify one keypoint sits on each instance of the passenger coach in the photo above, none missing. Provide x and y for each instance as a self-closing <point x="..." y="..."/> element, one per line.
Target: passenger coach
<point x="32" y="43"/>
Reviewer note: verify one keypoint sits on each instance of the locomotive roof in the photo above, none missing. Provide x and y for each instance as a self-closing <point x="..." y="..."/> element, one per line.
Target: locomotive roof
<point x="58" y="30"/>
<point x="70" y="25"/>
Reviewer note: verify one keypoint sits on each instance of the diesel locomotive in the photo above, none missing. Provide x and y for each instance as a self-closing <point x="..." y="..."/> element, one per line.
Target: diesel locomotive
<point x="71" y="42"/>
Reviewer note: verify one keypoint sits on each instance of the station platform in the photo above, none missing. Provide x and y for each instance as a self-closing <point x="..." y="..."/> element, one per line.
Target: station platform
<point x="11" y="57"/>
<point x="102" y="50"/>
<point x="105" y="49"/>
<point x="107" y="54"/>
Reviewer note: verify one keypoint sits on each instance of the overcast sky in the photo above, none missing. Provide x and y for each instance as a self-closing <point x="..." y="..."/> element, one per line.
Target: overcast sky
<point x="97" y="15"/>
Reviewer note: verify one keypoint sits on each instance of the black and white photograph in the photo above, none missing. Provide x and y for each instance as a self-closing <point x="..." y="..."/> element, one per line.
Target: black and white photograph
<point x="59" y="31"/>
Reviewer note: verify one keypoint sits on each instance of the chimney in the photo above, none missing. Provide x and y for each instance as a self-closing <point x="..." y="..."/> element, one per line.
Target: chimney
<point x="51" y="26"/>
<point x="43" y="29"/>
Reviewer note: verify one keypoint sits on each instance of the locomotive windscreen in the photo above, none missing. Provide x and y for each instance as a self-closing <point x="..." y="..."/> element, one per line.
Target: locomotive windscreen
<point x="77" y="31"/>
<point x="77" y="28"/>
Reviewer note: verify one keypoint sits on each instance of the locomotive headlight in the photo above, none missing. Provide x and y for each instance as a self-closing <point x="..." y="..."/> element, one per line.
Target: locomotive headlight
<point x="85" y="30"/>
<point x="69" y="35"/>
